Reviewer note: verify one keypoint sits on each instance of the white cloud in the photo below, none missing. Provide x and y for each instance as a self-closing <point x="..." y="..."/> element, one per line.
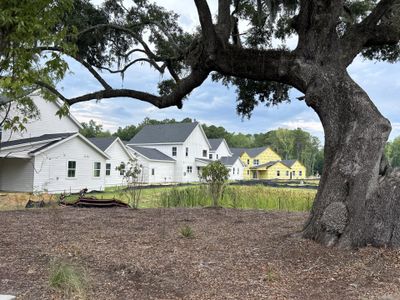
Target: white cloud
<point x="313" y="126"/>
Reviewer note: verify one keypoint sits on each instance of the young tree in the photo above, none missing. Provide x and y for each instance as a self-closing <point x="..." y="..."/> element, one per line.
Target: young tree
<point x="215" y="174"/>
<point x="357" y="201"/>
<point x="132" y="182"/>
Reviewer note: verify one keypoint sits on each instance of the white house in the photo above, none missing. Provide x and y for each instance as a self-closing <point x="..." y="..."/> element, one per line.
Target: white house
<point x="186" y="143"/>
<point x="46" y="123"/>
<point x="235" y="166"/>
<point x="54" y="163"/>
<point x="219" y="149"/>
<point x="156" y="166"/>
<point x="50" y="155"/>
<point x="118" y="153"/>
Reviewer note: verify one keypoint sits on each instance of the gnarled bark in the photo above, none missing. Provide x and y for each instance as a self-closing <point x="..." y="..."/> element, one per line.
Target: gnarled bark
<point x="358" y="199"/>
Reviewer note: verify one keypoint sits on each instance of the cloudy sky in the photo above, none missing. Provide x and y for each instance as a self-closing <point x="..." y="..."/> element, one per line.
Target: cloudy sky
<point x="214" y="104"/>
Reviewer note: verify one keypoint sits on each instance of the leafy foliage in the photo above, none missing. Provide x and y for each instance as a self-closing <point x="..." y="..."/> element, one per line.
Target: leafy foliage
<point x="215" y="174"/>
<point x="133" y="178"/>
<point x="24" y="27"/>
<point x="392" y="152"/>
<point x="92" y="129"/>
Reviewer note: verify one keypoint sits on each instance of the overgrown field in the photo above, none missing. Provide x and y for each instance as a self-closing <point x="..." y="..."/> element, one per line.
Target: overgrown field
<point x="235" y="196"/>
<point x="245" y="197"/>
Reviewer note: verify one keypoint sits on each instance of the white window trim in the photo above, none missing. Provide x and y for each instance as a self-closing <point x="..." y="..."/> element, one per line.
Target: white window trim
<point x="94" y="169"/>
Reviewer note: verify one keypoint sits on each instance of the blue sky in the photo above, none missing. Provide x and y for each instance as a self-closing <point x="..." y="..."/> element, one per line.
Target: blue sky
<point x="213" y="103"/>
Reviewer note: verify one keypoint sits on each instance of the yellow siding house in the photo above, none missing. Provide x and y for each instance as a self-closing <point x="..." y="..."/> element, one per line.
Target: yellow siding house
<point x="265" y="163"/>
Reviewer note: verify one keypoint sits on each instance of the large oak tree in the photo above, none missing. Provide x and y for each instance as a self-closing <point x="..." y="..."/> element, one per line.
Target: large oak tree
<point x="358" y="201"/>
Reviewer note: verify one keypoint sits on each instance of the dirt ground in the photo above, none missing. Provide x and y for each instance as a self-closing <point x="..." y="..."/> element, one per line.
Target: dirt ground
<point x="141" y="254"/>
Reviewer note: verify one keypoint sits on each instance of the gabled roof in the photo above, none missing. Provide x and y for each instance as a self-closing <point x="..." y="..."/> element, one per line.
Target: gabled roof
<point x="151" y="153"/>
<point x="25" y="148"/>
<point x="230" y="160"/>
<point x="252" y="152"/>
<point x="289" y="163"/>
<point x="34" y="140"/>
<point x="164" y="133"/>
<point x="103" y="142"/>
<point x="215" y="143"/>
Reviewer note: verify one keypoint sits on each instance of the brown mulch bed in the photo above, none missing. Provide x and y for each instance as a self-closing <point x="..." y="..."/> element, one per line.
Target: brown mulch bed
<point x="234" y="254"/>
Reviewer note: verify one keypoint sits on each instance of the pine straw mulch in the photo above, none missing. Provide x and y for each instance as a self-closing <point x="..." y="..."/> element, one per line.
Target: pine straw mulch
<point x="141" y="254"/>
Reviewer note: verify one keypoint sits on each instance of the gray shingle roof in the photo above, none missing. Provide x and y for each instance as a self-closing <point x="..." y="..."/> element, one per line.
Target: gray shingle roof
<point x="288" y="163"/>
<point x="103" y="142"/>
<point x="164" y="133"/>
<point x="42" y="138"/>
<point x="252" y="152"/>
<point x="215" y="143"/>
<point x="229" y="160"/>
<point x="152" y="153"/>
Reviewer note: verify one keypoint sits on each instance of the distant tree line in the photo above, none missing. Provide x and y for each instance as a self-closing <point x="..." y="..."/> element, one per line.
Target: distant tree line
<point x="392" y="152"/>
<point x="289" y="144"/>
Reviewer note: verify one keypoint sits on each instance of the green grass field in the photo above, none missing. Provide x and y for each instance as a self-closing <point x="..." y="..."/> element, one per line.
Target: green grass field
<point x="234" y="196"/>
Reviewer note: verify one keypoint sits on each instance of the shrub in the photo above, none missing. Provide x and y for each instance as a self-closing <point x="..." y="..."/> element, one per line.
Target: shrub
<point x="215" y="174"/>
<point x="68" y="279"/>
<point x="187" y="232"/>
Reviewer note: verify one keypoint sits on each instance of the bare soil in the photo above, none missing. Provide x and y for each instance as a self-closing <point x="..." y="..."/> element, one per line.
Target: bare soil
<point x="141" y="254"/>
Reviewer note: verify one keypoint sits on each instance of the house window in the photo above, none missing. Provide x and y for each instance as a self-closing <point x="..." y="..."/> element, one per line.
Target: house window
<point x="278" y="173"/>
<point x="300" y="173"/>
<point x="294" y="173"/>
<point x="96" y="169"/>
<point x="204" y="153"/>
<point x="173" y="151"/>
<point x="248" y="162"/>
<point x="122" y="169"/>
<point x="256" y="162"/>
<point x="210" y="156"/>
<point x="108" y="169"/>
<point x="187" y="151"/>
<point x="153" y="171"/>
<point x="233" y="170"/>
<point x="71" y="169"/>
<point x="248" y="172"/>
<point x="217" y="156"/>
<point x="189" y="169"/>
<point x="287" y="173"/>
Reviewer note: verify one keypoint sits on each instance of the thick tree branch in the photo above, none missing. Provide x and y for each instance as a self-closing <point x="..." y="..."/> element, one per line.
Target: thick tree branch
<point x="182" y="89"/>
<point x="271" y="65"/>
<point x="207" y="25"/>
<point x="380" y="27"/>
<point x="224" y="20"/>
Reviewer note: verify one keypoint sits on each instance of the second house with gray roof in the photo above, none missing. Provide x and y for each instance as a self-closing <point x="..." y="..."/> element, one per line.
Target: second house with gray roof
<point x="172" y="152"/>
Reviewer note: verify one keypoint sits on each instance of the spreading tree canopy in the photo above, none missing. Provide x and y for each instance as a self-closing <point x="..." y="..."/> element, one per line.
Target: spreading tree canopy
<point x="357" y="202"/>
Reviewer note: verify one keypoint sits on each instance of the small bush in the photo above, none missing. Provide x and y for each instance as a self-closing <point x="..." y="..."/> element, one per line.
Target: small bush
<point x="68" y="279"/>
<point x="187" y="232"/>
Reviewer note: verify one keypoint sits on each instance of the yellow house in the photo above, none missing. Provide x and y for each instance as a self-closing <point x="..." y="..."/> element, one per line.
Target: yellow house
<point x="265" y="163"/>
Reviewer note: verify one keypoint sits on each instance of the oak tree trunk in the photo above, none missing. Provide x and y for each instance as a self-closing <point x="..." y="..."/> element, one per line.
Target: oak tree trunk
<point x="358" y="199"/>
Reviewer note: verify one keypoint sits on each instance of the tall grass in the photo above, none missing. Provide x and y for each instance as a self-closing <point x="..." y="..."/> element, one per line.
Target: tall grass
<point x="71" y="281"/>
<point x="244" y="197"/>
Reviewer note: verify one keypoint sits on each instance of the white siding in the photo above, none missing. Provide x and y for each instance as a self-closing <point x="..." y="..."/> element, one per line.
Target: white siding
<point x="238" y="175"/>
<point x="51" y="167"/>
<point x="118" y="155"/>
<point x="221" y="151"/>
<point x="48" y="122"/>
<point x="196" y="142"/>
<point x="164" y="172"/>
<point x="16" y="175"/>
